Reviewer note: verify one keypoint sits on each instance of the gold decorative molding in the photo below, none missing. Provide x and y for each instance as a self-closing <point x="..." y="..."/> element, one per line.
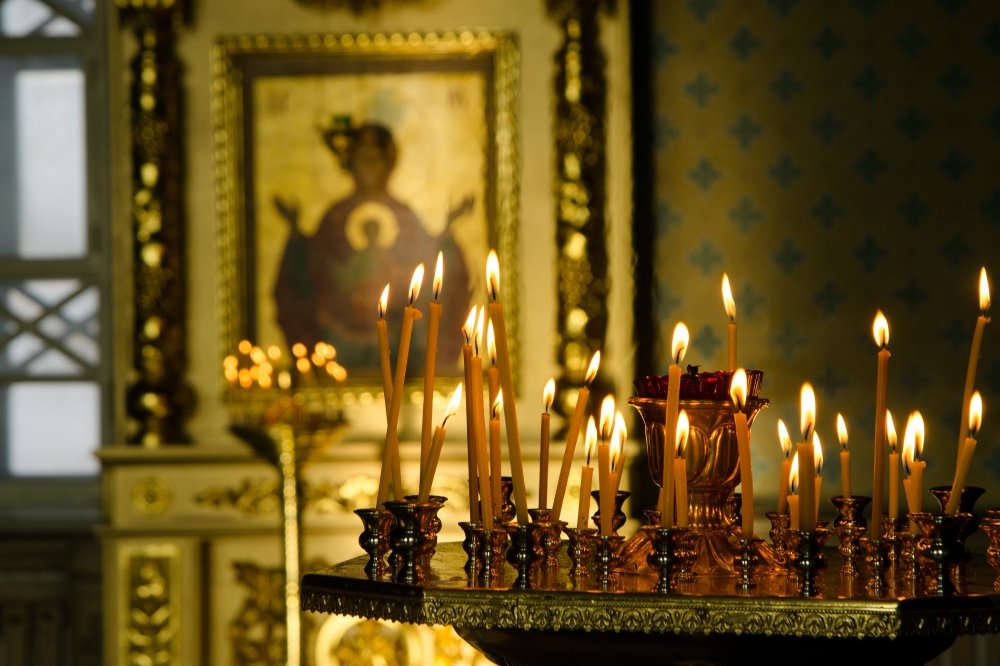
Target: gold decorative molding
<point x="151" y="495"/>
<point x="153" y="622"/>
<point x="158" y="398"/>
<point x="581" y="194"/>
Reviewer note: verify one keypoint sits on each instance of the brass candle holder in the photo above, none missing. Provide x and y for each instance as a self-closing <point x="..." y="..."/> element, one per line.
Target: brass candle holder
<point x="808" y="558"/>
<point x="850" y="526"/>
<point x="374" y="540"/>
<point x="991" y="527"/>
<point x="668" y="546"/>
<point x="491" y="554"/>
<point x="966" y="504"/>
<point x="580" y="549"/>
<point x="945" y="549"/>
<point x="470" y="544"/>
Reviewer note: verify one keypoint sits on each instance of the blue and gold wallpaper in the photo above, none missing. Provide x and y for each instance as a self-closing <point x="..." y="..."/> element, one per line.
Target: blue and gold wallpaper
<point x="833" y="159"/>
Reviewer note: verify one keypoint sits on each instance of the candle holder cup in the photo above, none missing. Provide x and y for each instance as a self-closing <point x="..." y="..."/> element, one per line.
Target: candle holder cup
<point x="807" y="559"/>
<point x="879" y="563"/>
<point x="605" y="559"/>
<point x="668" y="544"/>
<point x="850" y="526"/>
<point x="780" y="524"/>
<point x="374" y="540"/>
<point x="618" y="518"/>
<point x="470" y="544"/>
<point x="747" y="562"/>
<point x="507" y="511"/>
<point x="733" y="509"/>
<point x="405" y="541"/>
<point x="945" y="550"/>
<point x="524" y="552"/>
<point x="892" y="529"/>
<point x="430" y="526"/>
<point x="551" y="540"/>
<point x="966" y="504"/>
<point x="580" y="550"/>
<point x="491" y="554"/>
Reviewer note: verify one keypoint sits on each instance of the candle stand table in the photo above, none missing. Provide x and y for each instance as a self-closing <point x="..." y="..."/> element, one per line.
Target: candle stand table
<point x="706" y="621"/>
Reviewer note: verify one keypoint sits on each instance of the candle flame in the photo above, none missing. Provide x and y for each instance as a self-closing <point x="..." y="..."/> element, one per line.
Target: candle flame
<point x="491" y="343"/>
<point x="680" y="342"/>
<point x="818" y="454"/>
<point x="890" y="431"/>
<point x="415" y="283"/>
<point x="383" y="302"/>
<point x="590" y="438"/>
<point x="808" y="415"/>
<point x="607" y="416"/>
<point x="493" y="275"/>
<point x="497" y="405"/>
<point x="975" y="414"/>
<point x="842" y="431"/>
<point x="617" y="448"/>
<point x="727" y="298"/>
<point x="595" y="363"/>
<point x="793" y="475"/>
<point x="738" y="388"/>
<point x="683" y="432"/>
<point x="913" y="441"/>
<point x="880" y="330"/>
<point x="620" y="431"/>
<point x="452" y="408"/>
<point x="549" y="394"/>
<point x="480" y="322"/>
<point x="984" y="292"/>
<point x="438" y="275"/>
<point x="783" y="439"/>
<point x="469" y="328"/>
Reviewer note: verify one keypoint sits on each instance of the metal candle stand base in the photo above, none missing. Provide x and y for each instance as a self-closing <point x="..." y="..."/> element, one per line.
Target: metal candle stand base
<point x="668" y="554"/>
<point x="374" y="540"/>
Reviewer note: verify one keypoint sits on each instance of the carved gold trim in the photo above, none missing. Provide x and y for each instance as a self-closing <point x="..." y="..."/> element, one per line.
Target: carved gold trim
<point x="153" y="619"/>
<point x="151" y="495"/>
<point x="227" y="111"/>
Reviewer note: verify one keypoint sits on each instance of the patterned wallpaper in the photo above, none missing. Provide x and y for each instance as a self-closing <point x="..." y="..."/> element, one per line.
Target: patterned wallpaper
<point x="833" y="158"/>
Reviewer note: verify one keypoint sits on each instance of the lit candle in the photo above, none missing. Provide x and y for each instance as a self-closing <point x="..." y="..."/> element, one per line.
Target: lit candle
<point x="786" y="466"/>
<point x="430" y="358"/>
<point x="845" y="457"/>
<point x="807" y="461"/>
<point x="390" y="463"/>
<point x="677" y="351"/>
<point x="468" y="360"/>
<point x="619" y="437"/>
<point x="586" y="477"/>
<point x="488" y="494"/>
<point x="970" y="373"/>
<point x="606" y="494"/>
<point x="382" y="327"/>
<point x="680" y="469"/>
<point x="793" y="493"/>
<point x="548" y="395"/>
<point x="975" y="421"/>
<point x="573" y="434"/>
<point x="738" y="393"/>
<point x="890" y="438"/>
<point x="818" y="464"/>
<point x="495" y="472"/>
<point x="493" y="372"/>
<point x="880" y="330"/>
<point x="605" y="428"/>
<point x="913" y="449"/>
<point x="487" y="476"/>
<point x="507" y="383"/>
<point x="437" y="443"/>
<point x="727" y="299"/>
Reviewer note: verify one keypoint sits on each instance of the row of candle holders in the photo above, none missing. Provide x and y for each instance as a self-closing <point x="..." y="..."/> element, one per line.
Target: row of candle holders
<point x="921" y="553"/>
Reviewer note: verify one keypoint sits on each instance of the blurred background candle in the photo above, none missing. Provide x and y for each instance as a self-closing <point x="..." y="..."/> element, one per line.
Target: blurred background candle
<point x="880" y="331"/>
<point x="727" y="299"/>
<point x="913" y="466"/>
<point x="786" y="466"/>
<point x="677" y="350"/>
<point x="970" y="372"/>
<point x="975" y="421"/>
<point x="680" y="471"/>
<point x="548" y="395"/>
<point x="890" y="439"/>
<point x="586" y="477"/>
<point x="845" y="457"/>
<point x="573" y="434"/>
<point x="738" y="393"/>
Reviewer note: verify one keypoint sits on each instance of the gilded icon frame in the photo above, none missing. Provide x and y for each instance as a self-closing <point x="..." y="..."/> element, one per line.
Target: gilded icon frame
<point x="279" y="104"/>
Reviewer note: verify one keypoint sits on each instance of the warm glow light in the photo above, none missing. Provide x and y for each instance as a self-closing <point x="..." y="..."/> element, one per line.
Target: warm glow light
<point x="230" y="361"/>
<point x="244" y="346"/>
<point x="493" y="275"/>
<point x="497" y="405"/>
<point x="438" y="276"/>
<point x="549" y="394"/>
<point x="274" y="352"/>
<point x="299" y="350"/>
<point x="975" y="414"/>
<point x="880" y="330"/>
<point x="491" y="344"/>
<point x="257" y="355"/>
<point x="727" y="298"/>
<point x="452" y="408"/>
<point x="890" y="431"/>
<point x="680" y="342"/>
<point x="738" y="388"/>
<point x="607" y="416"/>
<point x="620" y="431"/>
<point x="303" y="365"/>
<point x="842" y="431"/>
<point x="469" y="328"/>
<point x="415" y="282"/>
<point x="595" y="363"/>
<point x="231" y="373"/>
<point x="784" y="439"/>
<point x="984" y="291"/>
<point x="683" y="430"/>
<point x="818" y="454"/>
<point x="808" y="415"/>
<point x="284" y="380"/>
<point x="590" y="438"/>
<point x="793" y="475"/>
<point x="616" y="450"/>
<point x="383" y="302"/>
<point x="913" y="440"/>
<point x="479" y="331"/>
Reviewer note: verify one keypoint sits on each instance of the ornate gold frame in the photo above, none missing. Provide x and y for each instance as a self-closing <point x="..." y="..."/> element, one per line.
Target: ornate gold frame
<point x="501" y="54"/>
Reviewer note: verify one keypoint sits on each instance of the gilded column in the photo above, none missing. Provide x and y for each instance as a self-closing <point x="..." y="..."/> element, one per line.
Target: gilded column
<point x="582" y="272"/>
<point x="158" y="397"/>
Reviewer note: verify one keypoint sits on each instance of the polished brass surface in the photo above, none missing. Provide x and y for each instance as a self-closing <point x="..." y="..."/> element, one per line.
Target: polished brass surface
<point x="158" y="400"/>
<point x="709" y="606"/>
<point x="151" y="495"/>
<point x="153" y="619"/>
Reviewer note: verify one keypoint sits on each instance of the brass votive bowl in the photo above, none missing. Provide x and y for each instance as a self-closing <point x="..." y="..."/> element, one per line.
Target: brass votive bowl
<point x="374" y="540"/>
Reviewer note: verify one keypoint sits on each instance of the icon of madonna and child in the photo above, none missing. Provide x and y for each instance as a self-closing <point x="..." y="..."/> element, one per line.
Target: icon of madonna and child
<point x="328" y="283"/>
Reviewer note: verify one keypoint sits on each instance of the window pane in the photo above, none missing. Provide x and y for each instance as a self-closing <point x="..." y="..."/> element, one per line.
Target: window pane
<point x="40" y="445"/>
<point x="50" y="158"/>
<point x="21" y="18"/>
